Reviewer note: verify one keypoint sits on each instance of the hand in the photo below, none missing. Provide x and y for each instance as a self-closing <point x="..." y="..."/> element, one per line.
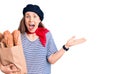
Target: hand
<point x="9" y="69"/>
<point x="72" y="41"/>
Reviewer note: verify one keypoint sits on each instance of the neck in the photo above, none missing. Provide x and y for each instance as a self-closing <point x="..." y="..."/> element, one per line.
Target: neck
<point x="32" y="36"/>
<point x="30" y="32"/>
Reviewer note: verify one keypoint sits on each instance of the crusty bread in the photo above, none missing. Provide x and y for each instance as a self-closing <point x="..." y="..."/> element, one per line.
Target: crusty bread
<point x="1" y="37"/>
<point x="8" y="39"/>
<point x="16" y="37"/>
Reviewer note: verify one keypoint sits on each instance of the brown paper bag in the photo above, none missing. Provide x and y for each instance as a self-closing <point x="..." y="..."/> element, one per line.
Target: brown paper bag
<point x="14" y="55"/>
<point x="11" y="52"/>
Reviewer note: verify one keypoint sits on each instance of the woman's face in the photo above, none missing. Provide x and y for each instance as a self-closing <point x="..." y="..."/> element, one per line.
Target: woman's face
<point x="32" y="21"/>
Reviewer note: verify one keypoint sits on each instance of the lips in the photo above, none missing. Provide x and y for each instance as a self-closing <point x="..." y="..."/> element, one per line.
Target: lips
<point x="31" y="26"/>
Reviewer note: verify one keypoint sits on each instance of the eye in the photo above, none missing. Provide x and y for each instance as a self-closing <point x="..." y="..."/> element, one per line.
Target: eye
<point x="27" y="16"/>
<point x="35" y="16"/>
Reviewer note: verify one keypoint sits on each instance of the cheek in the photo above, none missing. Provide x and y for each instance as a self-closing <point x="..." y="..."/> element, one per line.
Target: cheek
<point x="38" y="21"/>
<point x="26" y="21"/>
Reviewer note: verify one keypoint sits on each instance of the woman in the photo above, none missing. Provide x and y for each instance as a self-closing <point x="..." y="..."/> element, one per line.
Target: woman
<point x="39" y="47"/>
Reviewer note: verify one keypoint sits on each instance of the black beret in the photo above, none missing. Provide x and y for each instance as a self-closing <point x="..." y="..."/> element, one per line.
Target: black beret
<point x="34" y="8"/>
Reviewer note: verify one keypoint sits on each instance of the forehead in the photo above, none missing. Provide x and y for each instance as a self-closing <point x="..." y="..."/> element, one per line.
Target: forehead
<point x="30" y="13"/>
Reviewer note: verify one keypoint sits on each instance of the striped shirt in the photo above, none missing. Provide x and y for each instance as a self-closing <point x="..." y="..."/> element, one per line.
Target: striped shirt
<point x="36" y="55"/>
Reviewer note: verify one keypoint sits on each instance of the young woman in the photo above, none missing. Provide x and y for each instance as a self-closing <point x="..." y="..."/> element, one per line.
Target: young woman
<point x="39" y="48"/>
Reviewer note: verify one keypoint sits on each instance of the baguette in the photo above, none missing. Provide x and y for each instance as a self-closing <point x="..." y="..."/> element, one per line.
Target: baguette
<point x="16" y="37"/>
<point x="1" y="37"/>
<point x="8" y="39"/>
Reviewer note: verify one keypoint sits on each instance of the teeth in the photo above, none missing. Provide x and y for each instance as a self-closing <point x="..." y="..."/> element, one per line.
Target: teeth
<point x="32" y="25"/>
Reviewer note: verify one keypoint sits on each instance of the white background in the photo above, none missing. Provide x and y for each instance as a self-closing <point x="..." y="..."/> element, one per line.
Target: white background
<point x="96" y="20"/>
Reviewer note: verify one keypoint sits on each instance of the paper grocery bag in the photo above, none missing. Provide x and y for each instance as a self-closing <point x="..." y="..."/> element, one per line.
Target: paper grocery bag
<point x="14" y="55"/>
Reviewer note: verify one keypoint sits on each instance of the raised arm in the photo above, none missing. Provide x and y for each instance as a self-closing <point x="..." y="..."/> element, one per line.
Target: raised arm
<point x="71" y="42"/>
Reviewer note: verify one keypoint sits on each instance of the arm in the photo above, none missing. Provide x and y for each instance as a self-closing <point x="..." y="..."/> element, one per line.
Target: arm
<point x="71" y="42"/>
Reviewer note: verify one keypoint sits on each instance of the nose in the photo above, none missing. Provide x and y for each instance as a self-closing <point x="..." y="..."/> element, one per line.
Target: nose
<point x="31" y="19"/>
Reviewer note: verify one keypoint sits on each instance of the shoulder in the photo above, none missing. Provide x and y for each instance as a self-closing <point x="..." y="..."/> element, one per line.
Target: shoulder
<point x="23" y="35"/>
<point x="49" y="34"/>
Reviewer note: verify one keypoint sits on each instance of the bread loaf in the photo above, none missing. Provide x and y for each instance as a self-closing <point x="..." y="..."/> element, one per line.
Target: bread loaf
<point x="16" y="37"/>
<point x="1" y="37"/>
<point x="8" y="39"/>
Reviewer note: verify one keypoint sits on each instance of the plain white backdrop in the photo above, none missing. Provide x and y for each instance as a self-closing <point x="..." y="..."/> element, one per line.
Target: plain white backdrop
<point x="96" y="20"/>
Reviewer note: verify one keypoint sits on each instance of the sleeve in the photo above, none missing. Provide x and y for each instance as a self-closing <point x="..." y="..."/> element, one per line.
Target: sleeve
<point x="51" y="46"/>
